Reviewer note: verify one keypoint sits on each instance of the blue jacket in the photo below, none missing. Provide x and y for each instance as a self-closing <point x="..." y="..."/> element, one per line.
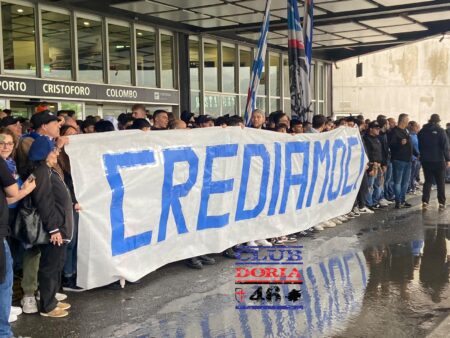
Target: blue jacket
<point x="415" y="144"/>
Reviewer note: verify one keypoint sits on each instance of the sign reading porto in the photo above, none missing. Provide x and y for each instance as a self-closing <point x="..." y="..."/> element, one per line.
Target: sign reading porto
<point x="150" y="199"/>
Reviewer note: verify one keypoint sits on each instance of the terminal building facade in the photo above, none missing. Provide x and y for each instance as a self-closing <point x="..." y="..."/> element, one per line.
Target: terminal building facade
<point x="98" y="64"/>
<point x="98" y="57"/>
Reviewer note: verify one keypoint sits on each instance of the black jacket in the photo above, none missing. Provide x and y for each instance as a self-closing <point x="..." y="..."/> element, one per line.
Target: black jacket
<point x="433" y="144"/>
<point x="384" y="148"/>
<point x="399" y="151"/>
<point x="53" y="202"/>
<point x="373" y="148"/>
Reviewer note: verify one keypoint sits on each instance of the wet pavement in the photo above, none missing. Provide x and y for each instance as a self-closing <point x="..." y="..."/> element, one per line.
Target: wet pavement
<point x="383" y="275"/>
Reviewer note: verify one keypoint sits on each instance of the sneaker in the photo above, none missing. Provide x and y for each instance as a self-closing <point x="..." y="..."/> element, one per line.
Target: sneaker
<point x="406" y="205"/>
<point x="328" y="224"/>
<point x="16" y="310"/>
<point x="384" y="201"/>
<point x="230" y="253"/>
<point x="290" y="239"/>
<point x="351" y="215"/>
<point x="64" y="306"/>
<point x="59" y="296"/>
<point x="194" y="263"/>
<point x="263" y="242"/>
<point x="206" y="260"/>
<point x="69" y="284"/>
<point x="12" y="318"/>
<point x="356" y="211"/>
<point x="425" y="205"/>
<point x="366" y="210"/>
<point x="318" y="227"/>
<point x="55" y="313"/>
<point x="398" y="205"/>
<point x="441" y="206"/>
<point x="29" y="305"/>
<point x="337" y="221"/>
<point x="278" y="241"/>
<point x="252" y="243"/>
<point x="343" y="219"/>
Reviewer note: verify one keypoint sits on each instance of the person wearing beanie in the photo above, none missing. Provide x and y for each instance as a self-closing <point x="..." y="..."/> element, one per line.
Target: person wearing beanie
<point x="45" y="124"/>
<point x="435" y="158"/>
<point x="54" y="205"/>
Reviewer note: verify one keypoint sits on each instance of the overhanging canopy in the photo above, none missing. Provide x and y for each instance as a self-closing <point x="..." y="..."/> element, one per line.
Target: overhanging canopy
<point x="344" y="28"/>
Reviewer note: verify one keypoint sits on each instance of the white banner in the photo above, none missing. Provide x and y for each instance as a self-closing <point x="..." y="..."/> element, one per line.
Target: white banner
<point x="152" y="198"/>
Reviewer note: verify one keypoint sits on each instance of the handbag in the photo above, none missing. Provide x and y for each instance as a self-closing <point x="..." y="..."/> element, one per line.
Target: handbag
<point x="28" y="227"/>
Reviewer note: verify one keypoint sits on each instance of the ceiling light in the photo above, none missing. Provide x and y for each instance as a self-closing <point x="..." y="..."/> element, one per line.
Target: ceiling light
<point x="86" y="23"/>
<point x="139" y="33"/>
<point x="20" y="10"/>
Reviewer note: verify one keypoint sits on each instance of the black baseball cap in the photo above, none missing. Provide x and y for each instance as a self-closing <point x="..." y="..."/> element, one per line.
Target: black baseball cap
<point x="8" y="120"/>
<point x="44" y="117"/>
<point x="374" y="124"/>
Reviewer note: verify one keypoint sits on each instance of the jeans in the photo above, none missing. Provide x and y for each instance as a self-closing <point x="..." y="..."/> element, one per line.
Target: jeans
<point x="415" y="168"/>
<point x="402" y="173"/>
<point x="70" y="267"/>
<point x="6" y="295"/>
<point x="389" y="183"/>
<point x="434" y="171"/>
<point x="362" y="193"/>
<point x="375" y="189"/>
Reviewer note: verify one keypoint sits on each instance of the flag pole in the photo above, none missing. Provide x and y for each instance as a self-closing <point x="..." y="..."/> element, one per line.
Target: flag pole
<point x="257" y="67"/>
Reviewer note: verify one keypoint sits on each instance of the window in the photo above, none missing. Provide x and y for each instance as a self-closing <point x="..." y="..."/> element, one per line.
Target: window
<point x="119" y="54"/>
<point x="210" y="66"/>
<point x="146" y="56"/>
<point x="194" y="63"/>
<point x="212" y="105"/>
<point x="286" y="89"/>
<point x="19" y="47"/>
<point x="274" y="105"/>
<point x="228" y="105"/>
<point x="228" y="63"/>
<point x="195" y="102"/>
<point x="274" y="74"/>
<point x="167" y="59"/>
<point x="90" y="50"/>
<point x="245" y="61"/>
<point x="57" y="50"/>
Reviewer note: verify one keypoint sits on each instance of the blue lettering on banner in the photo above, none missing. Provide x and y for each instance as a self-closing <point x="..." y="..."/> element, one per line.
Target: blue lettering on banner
<point x="351" y="142"/>
<point x="338" y="144"/>
<point x="214" y="187"/>
<point x="276" y="180"/>
<point x="297" y="179"/>
<point x="113" y="163"/>
<point x="320" y="154"/>
<point x="171" y="194"/>
<point x="251" y="151"/>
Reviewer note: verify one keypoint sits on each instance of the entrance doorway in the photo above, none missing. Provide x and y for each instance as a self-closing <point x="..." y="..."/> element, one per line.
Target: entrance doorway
<point x="26" y="108"/>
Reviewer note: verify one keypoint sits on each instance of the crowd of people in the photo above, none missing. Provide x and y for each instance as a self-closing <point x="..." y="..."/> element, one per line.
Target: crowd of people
<point x="35" y="170"/>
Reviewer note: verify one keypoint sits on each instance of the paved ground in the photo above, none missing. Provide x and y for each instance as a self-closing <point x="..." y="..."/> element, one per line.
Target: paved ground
<point x="383" y="276"/>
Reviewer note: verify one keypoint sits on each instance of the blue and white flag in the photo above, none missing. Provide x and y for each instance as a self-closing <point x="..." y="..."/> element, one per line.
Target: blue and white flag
<point x="308" y="25"/>
<point x="298" y="65"/>
<point x="258" y="66"/>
